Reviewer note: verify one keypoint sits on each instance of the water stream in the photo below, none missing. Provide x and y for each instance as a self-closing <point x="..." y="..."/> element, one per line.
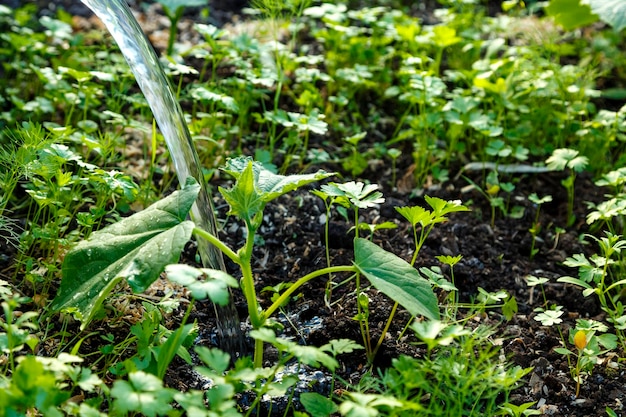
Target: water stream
<point x="144" y="63"/>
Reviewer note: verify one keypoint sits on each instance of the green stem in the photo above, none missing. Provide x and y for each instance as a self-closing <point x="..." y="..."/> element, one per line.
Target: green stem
<point x="247" y="279"/>
<point x="329" y="285"/>
<point x="385" y="330"/>
<point x="214" y="240"/>
<point x="578" y="373"/>
<point x="170" y="41"/>
<point x="258" y="353"/>
<point x="296" y="285"/>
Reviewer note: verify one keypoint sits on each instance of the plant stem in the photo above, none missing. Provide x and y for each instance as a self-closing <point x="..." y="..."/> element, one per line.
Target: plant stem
<point x="247" y="279"/>
<point x="578" y="373"/>
<point x="214" y="240"/>
<point x="258" y="353"/>
<point x="300" y="282"/>
<point x="385" y="330"/>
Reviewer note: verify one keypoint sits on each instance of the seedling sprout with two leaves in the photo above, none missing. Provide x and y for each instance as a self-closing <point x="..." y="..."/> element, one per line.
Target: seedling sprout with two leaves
<point x="568" y="158"/>
<point x="536" y="227"/>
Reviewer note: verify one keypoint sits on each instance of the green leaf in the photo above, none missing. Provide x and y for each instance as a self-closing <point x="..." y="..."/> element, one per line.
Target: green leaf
<point x="445" y="36"/>
<point x="89" y="381"/>
<point x="395" y="278"/>
<point x="443" y="207"/>
<point x="216" y="359"/>
<point x="367" y="405"/>
<point x="415" y="215"/>
<point x="174" y="5"/>
<point x="317" y="405"/>
<point x="566" y="158"/>
<point x="244" y="198"/>
<point x="608" y="341"/>
<point x="570" y="14"/>
<point x="549" y="317"/>
<point x="143" y="393"/>
<point x="309" y="355"/>
<point x="359" y="194"/>
<point x="612" y="12"/>
<point x="173" y="345"/>
<point x="267" y="184"/>
<point x="339" y="346"/>
<point x="214" y="286"/>
<point x="136" y="248"/>
<point x="202" y="93"/>
<point x="575" y="281"/>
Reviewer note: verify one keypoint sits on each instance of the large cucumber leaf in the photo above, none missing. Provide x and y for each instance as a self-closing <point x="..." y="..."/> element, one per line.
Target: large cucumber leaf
<point x="570" y="14"/>
<point x="395" y="278"/>
<point x="136" y="248"/>
<point x="612" y="12"/>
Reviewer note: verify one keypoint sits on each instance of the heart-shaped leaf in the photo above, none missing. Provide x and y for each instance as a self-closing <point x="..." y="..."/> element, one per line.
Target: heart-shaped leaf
<point x="395" y="278"/>
<point x="136" y="248"/>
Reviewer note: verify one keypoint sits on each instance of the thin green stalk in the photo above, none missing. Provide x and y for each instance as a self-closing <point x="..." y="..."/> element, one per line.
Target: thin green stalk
<point x="580" y="354"/>
<point x="385" y="330"/>
<point x="172" y="36"/>
<point x="213" y="240"/>
<point x="247" y="280"/>
<point x="296" y="285"/>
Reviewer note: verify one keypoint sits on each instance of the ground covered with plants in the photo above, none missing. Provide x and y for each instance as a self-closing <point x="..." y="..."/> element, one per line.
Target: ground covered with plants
<point x="420" y="208"/>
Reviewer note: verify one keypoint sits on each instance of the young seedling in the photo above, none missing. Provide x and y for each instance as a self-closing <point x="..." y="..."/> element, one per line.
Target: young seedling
<point x="533" y="281"/>
<point x="490" y="192"/>
<point x="357" y="195"/>
<point x="426" y="219"/>
<point x="612" y="211"/>
<point x="568" y="158"/>
<point x="520" y="410"/>
<point x="595" y="276"/>
<point x="580" y="341"/>
<point x="394" y="154"/>
<point x="536" y="227"/>
<point x="174" y="11"/>
<point x="139" y="247"/>
<point x="549" y="317"/>
<point x="589" y="347"/>
<point x="451" y="261"/>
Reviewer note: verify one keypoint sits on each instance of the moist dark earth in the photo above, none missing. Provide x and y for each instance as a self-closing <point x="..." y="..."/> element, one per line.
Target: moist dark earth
<point x="494" y="257"/>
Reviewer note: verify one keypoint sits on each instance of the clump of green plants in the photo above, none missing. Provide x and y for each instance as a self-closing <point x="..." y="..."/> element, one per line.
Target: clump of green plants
<point x="461" y="374"/>
<point x="61" y="385"/>
<point x="139" y="247"/>
<point x="610" y="212"/>
<point x="591" y="341"/>
<point x="600" y="275"/>
<point x="355" y="196"/>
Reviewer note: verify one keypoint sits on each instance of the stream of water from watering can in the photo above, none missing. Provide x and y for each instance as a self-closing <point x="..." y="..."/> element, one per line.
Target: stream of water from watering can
<point x="143" y="61"/>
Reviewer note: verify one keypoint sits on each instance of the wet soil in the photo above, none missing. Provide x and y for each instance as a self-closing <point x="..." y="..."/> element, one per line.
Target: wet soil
<point x="495" y="257"/>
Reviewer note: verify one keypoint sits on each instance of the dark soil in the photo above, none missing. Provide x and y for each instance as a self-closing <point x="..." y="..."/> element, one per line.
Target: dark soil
<point x="495" y="257"/>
